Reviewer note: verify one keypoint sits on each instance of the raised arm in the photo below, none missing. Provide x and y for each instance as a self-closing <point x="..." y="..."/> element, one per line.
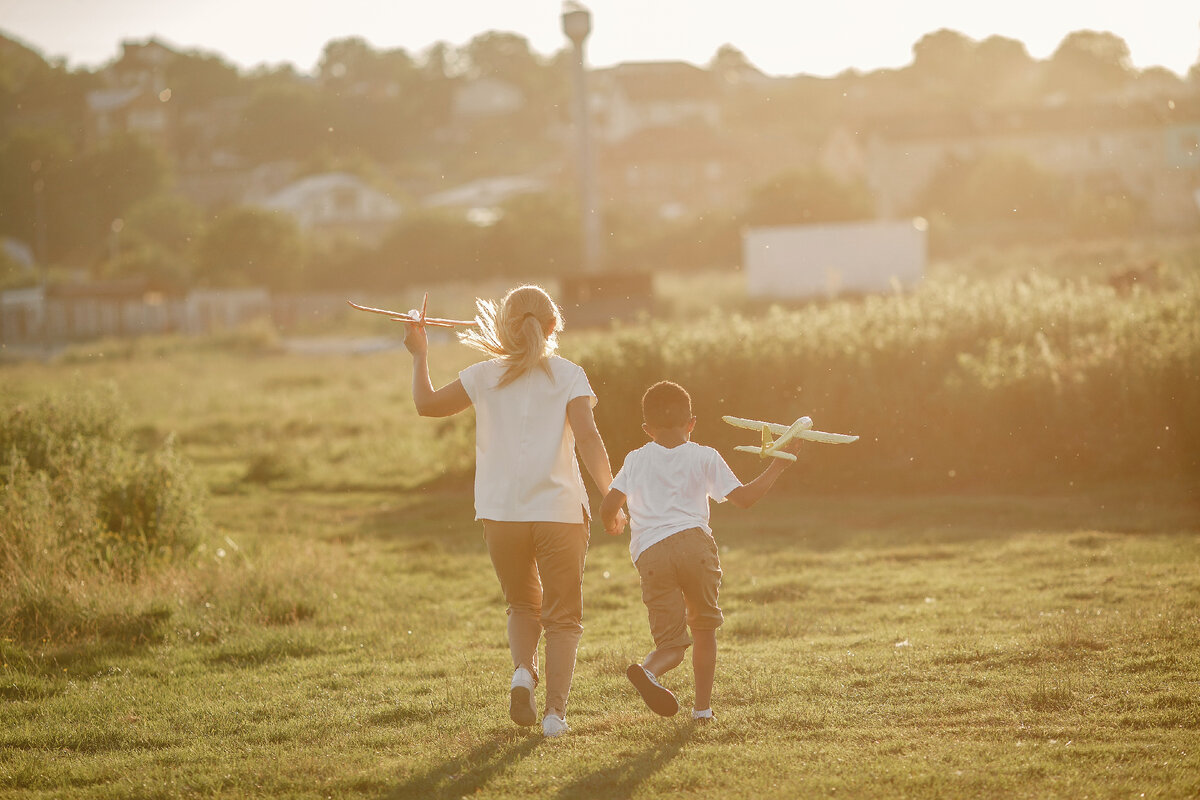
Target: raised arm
<point x="444" y="402"/>
<point x="750" y="493"/>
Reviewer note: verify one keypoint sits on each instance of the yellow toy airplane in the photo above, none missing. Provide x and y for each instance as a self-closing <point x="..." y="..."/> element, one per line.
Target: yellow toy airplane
<point x="415" y="317"/>
<point x="800" y="429"/>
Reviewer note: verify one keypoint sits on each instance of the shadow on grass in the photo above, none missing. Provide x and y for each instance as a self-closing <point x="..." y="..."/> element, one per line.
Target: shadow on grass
<point x="621" y="779"/>
<point x="469" y="773"/>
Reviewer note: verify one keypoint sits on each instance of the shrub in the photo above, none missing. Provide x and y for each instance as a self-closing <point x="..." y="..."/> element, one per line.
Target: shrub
<point x="975" y="380"/>
<point x="77" y="501"/>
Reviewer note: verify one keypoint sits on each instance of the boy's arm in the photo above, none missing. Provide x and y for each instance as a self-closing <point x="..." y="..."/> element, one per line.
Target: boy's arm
<point x="750" y="493"/>
<point x="610" y="511"/>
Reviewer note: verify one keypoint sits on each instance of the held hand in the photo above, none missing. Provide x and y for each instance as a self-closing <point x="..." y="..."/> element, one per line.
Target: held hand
<point x="415" y="339"/>
<point x="617" y="526"/>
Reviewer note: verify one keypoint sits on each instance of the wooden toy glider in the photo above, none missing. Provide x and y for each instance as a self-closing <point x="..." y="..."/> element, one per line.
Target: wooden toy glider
<point x="416" y="317"/>
<point x="772" y="448"/>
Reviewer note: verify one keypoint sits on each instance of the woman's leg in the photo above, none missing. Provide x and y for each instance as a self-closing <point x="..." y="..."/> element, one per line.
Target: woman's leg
<point x="511" y="546"/>
<point x="561" y="550"/>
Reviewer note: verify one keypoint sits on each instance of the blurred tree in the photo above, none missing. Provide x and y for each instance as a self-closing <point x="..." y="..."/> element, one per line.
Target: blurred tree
<point x="251" y="247"/>
<point x="426" y="246"/>
<point x="941" y="57"/>
<point x="282" y="121"/>
<point x="30" y="163"/>
<point x="999" y="188"/>
<point x="1087" y="64"/>
<point x="197" y="79"/>
<point x="537" y="234"/>
<point x="1003" y="72"/>
<point x="159" y="240"/>
<point x="123" y="170"/>
<point x="504" y="56"/>
<point x="806" y="196"/>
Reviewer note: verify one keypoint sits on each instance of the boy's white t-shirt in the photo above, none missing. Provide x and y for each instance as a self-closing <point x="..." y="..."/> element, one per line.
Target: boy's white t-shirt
<point x="525" y="465"/>
<point x="667" y="490"/>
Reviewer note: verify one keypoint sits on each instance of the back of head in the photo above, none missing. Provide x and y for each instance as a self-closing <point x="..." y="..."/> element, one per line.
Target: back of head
<point x="522" y="331"/>
<point x="666" y="405"/>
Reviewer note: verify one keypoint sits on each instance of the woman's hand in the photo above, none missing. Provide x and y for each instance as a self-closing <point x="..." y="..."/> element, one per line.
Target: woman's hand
<point x="416" y="341"/>
<point x="617" y="525"/>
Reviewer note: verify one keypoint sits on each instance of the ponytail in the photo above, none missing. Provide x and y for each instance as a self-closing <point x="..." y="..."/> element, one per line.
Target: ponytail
<point x="522" y="332"/>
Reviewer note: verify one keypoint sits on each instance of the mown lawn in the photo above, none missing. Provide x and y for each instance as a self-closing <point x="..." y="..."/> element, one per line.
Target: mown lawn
<point x="949" y="646"/>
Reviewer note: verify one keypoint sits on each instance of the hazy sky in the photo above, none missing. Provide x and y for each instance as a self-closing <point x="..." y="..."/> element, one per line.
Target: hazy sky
<point x="781" y="37"/>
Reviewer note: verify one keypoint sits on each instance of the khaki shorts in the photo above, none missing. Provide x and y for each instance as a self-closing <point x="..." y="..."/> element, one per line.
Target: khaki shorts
<point x="681" y="578"/>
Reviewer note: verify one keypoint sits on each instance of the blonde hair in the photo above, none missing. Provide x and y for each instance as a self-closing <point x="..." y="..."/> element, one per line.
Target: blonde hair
<point x="522" y="331"/>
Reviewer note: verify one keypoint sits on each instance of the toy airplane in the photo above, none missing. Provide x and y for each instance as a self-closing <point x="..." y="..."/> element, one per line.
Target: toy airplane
<point x="416" y="317"/>
<point x="800" y="429"/>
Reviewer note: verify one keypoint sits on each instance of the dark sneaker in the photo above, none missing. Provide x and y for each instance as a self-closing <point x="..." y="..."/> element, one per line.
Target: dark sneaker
<point x="522" y="705"/>
<point x="657" y="696"/>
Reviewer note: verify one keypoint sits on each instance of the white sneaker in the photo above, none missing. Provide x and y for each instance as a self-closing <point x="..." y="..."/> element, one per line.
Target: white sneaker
<point x="703" y="716"/>
<point x="554" y="725"/>
<point x="522" y="704"/>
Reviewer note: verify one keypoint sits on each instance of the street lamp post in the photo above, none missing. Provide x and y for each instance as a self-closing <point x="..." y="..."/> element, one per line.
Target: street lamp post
<point x="577" y="24"/>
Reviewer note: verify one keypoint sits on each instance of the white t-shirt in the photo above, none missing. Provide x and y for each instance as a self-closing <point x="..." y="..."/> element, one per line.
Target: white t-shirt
<point x="525" y="466"/>
<point x="667" y="490"/>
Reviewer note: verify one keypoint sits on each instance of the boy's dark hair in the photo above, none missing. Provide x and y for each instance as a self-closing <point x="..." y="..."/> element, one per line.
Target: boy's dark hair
<point x="666" y="405"/>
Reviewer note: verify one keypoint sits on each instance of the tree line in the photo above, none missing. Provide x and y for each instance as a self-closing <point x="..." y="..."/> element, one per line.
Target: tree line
<point x="112" y="206"/>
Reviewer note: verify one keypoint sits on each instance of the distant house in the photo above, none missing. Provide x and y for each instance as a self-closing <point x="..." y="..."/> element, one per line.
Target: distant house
<point x="675" y="171"/>
<point x="486" y="97"/>
<point x="136" y="99"/>
<point x="634" y="96"/>
<point x="1152" y="151"/>
<point x="336" y="201"/>
<point x="480" y="200"/>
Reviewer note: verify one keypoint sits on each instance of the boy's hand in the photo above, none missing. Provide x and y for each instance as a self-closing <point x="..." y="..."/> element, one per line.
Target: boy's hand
<point x="616" y="526"/>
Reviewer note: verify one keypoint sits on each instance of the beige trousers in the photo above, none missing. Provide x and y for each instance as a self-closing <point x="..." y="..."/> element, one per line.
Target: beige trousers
<point x="540" y="567"/>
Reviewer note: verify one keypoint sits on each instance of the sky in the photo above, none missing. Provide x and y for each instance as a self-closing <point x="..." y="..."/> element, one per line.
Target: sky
<point x="780" y="37"/>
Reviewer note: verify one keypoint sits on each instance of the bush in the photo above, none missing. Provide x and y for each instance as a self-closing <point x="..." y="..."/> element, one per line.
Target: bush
<point x="77" y="501"/>
<point x="973" y="381"/>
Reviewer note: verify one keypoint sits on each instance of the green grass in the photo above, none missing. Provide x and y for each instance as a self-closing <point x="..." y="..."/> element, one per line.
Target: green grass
<point x="338" y="631"/>
<point x="957" y="646"/>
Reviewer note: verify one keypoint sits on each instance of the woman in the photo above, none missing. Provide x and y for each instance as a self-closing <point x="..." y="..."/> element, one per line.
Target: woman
<point x="533" y="410"/>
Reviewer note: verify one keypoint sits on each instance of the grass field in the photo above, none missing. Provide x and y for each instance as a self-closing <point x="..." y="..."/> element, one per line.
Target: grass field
<point x="874" y="646"/>
<point x="338" y="632"/>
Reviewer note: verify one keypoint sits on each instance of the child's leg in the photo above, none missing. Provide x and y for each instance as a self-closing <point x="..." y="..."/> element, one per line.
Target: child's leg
<point x="561" y="551"/>
<point x="701" y="580"/>
<point x="704" y="665"/>
<point x="510" y="545"/>
<point x="664" y="660"/>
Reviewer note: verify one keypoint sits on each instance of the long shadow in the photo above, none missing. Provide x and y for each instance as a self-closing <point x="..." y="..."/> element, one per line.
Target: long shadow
<point x="621" y="780"/>
<point x="466" y="774"/>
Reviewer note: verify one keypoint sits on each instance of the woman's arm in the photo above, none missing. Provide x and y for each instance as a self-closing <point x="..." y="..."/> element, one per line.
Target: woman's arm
<point x="588" y="442"/>
<point x="444" y="402"/>
<point x="595" y="458"/>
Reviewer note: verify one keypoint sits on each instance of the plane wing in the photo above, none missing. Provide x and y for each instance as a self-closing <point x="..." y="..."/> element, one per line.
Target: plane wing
<point x="778" y="430"/>
<point x="400" y="316"/>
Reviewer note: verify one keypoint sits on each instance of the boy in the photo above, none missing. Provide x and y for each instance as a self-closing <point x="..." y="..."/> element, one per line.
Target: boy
<point x="667" y="484"/>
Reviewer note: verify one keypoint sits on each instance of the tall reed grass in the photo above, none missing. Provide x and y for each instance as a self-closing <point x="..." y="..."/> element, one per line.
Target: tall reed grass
<point x="80" y="502"/>
<point x="961" y="381"/>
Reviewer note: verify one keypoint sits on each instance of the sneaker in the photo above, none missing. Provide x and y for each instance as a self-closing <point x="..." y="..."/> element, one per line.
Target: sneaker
<point x="554" y="725"/>
<point x="704" y="716"/>
<point x="657" y="696"/>
<point x="522" y="705"/>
